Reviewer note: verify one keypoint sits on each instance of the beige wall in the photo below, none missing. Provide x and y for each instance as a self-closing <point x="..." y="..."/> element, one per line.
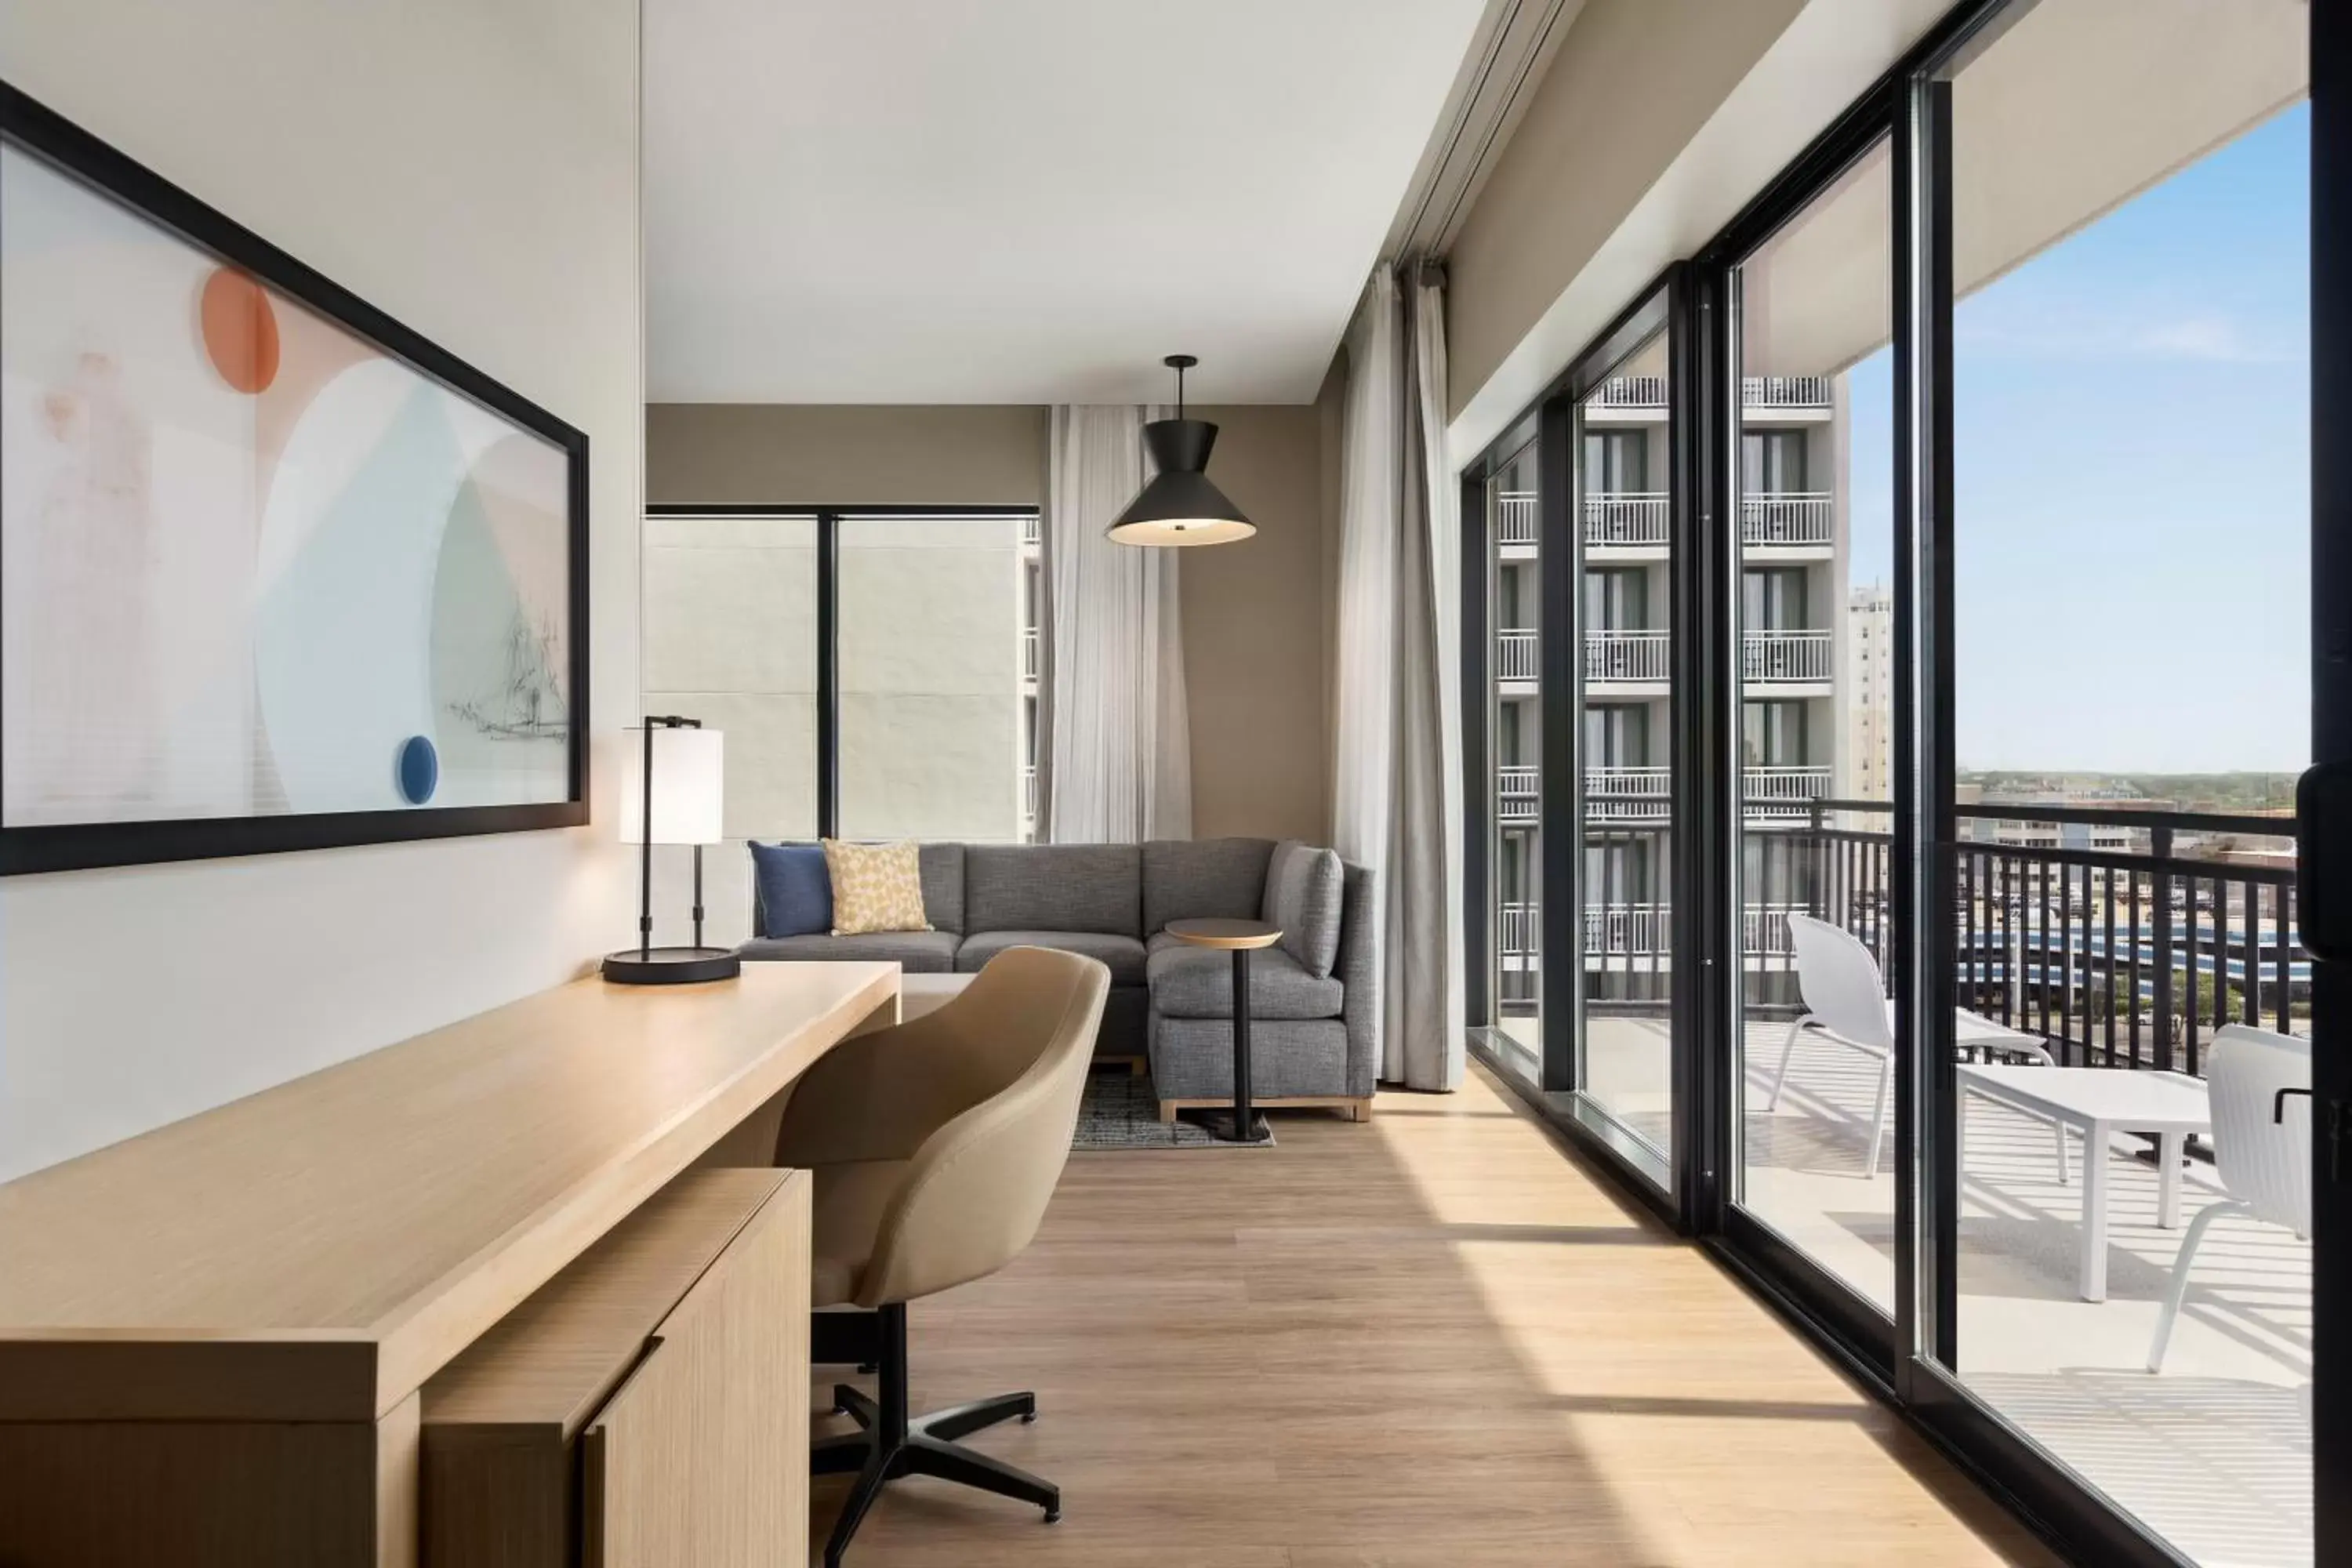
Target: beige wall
<point x="743" y="454"/>
<point x="1254" y="635"/>
<point x="1254" y="614"/>
<point x="497" y="214"/>
<point x="1631" y="85"/>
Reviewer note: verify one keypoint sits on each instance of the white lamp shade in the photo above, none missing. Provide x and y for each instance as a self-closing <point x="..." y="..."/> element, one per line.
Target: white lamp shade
<point x="689" y="794"/>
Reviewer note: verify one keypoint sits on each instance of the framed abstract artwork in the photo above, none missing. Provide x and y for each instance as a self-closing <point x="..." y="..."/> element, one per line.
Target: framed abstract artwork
<point x="276" y="572"/>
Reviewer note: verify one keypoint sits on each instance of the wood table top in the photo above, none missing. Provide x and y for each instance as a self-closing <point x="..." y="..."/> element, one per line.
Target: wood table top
<point x="352" y="1230"/>
<point x="1225" y="932"/>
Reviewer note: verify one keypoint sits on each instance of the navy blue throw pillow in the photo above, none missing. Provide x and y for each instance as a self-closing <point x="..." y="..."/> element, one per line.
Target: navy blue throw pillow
<point x="793" y="890"/>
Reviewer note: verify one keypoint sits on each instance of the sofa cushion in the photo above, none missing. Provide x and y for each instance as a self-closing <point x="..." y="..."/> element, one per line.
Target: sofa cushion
<point x="1302" y="896"/>
<point x="1204" y="879"/>
<point x="1123" y="954"/>
<point x="1198" y="982"/>
<point x="1192" y="1059"/>
<point x="1053" y="887"/>
<point x="919" y="951"/>
<point x="875" y="887"/>
<point x="942" y="866"/>
<point x="791" y="892"/>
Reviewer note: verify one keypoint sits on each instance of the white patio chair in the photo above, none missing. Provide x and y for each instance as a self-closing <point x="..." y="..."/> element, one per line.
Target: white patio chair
<point x="2262" y="1147"/>
<point x="1845" y="1001"/>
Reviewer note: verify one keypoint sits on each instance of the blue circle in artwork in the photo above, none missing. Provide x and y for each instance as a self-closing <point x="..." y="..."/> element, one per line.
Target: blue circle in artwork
<point x="420" y="770"/>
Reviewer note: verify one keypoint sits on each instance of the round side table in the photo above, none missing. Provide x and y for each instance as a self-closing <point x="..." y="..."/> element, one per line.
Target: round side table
<point x="1241" y="1124"/>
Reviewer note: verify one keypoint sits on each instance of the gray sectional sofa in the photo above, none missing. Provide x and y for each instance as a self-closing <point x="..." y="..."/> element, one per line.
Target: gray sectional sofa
<point x="1314" y="1039"/>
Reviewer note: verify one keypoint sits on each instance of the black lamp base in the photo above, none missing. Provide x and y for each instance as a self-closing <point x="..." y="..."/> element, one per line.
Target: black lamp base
<point x="671" y="965"/>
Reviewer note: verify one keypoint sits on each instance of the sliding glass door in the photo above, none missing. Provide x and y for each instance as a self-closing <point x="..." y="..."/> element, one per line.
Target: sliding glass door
<point x="2124" y="1203"/>
<point x="1619" y="812"/>
<point x="1812" y="332"/>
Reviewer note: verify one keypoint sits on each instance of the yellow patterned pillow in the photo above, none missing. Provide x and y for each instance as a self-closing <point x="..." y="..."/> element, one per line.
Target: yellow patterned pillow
<point x="875" y="887"/>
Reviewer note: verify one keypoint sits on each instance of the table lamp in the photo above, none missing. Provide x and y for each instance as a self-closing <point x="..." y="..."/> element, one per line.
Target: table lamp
<point x="673" y="797"/>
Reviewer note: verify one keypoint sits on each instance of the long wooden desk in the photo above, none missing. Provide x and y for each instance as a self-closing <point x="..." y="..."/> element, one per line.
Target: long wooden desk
<point x="314" y="1253"/>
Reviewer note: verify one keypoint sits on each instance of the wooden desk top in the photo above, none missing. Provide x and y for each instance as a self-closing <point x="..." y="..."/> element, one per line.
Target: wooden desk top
<point x="318" y="1250"/>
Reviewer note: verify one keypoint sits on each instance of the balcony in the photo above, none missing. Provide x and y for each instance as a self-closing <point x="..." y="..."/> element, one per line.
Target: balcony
<point x="1630" y="392"/>
<point x="1781" y="793"/>
<point x="1032" y="531"/>
<point x="1516" y="518"/>
<point x="1632" y="518"/>
<point x="1784" y="658"/>
<point x="1518" y="796"/>
<point x="1616" y="795"/>
<point x="2115" y="959"/>
<point x="1799" y="518"/>
<point x="1784" y="391"/>
<point x="1517" y="655"/>
<point x="1637" y="656"/>
<point x="1628" y="795"/>
<point x="1029" y="653"/>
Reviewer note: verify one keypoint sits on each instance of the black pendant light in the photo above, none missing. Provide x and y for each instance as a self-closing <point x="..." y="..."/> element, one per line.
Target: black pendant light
<point x="1179" y="506"/>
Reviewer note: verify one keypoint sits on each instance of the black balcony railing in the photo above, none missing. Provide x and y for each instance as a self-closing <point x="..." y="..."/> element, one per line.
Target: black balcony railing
<point x="2124" y="938"/>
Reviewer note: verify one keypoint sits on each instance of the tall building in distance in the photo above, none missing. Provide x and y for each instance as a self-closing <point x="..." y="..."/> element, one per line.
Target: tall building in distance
<point x="1869" y="694"/>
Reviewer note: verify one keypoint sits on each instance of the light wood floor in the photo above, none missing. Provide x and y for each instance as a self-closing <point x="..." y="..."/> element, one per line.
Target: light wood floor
<point x="1429" y="1340"/>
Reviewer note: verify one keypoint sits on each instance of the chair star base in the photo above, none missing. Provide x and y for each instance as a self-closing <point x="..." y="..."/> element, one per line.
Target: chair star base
<point x="889" y="1444"/>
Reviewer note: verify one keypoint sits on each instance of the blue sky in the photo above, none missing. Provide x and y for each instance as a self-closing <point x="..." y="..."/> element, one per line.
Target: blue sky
<point x="2132" y="506"/>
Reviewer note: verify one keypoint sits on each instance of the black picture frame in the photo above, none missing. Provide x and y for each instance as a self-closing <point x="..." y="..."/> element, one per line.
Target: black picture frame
<point x="40" y="131"/>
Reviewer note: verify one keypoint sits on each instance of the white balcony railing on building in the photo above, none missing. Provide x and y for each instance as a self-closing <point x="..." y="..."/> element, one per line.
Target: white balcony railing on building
<point x="1029" y="653"/>
<point x="1625" y="656"/>
<point x="1785" y="391"/>
<point x="1617" y="795"/>
<point x="1771" y="657"/>
<point x="1630" y="392"/>
<point x="1776" y="793"/>
<point x="1805" y="517"/>
<point x="1029" y="792"/>
<point x="1516" y="655"/>
<point x="1617" y="931"/>
<point x="1628" y="795"/>
<point x="1515" y="934"/>
<point x="1033" y="530"/>
<point x="1514" y="518"/>
<point x="1517" y="794"/>
<point x="1637" y="517"/>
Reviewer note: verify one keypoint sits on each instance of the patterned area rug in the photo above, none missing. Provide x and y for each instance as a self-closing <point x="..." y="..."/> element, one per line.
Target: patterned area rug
<point x="1121" y="1111"/>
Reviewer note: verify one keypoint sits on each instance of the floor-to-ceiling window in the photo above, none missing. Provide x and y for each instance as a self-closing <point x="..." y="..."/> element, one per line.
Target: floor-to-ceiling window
<point x="1621" y="705"/>
<point x="2130" y="553"/>
<point x="1514" y="703"/>
<point x="1812" y="335"/>
<point x="2004" y="672"/>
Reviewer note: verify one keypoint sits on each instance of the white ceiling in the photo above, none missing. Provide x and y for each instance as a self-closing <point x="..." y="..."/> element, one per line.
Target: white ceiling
<point x="1022" y="201"/>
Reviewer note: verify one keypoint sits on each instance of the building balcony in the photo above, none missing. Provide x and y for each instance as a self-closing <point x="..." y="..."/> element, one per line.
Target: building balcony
<point x="1033" y="532"/>
<point x="1633" y="657"/>
<point x="1805" y="392"/>
<point x="1781" y="793"/>
<point x="1627" y="519"/>
<point x="1030" y="656"/>
<point x="1785" y="658"/>
<point x="1617" y="930"/>
<point x="1799" y="519"/>
<point x="1784" y="391"/>
<point x="1517" y="522"/>
<point x="1617" y="795"/>
<point x="1517" y="655"/>
<point x="1518" y="795"/>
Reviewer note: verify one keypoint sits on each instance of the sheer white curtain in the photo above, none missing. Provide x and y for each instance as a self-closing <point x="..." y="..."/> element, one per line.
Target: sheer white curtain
<point x="1397" y="732"/>
<point x="1119" y="761"/>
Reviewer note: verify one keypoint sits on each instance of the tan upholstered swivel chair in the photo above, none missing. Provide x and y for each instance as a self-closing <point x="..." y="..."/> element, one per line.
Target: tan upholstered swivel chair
<point x="935" y="1146"/>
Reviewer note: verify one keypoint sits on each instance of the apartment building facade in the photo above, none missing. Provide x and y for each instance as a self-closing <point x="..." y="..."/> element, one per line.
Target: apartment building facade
<point x="1805" y="718"/>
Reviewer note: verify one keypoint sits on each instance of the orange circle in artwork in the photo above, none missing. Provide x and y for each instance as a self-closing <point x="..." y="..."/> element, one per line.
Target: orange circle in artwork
<point x="241" y="330"/>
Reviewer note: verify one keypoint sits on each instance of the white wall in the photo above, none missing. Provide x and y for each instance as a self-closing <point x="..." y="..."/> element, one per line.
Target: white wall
<point x="471" y="168"/>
